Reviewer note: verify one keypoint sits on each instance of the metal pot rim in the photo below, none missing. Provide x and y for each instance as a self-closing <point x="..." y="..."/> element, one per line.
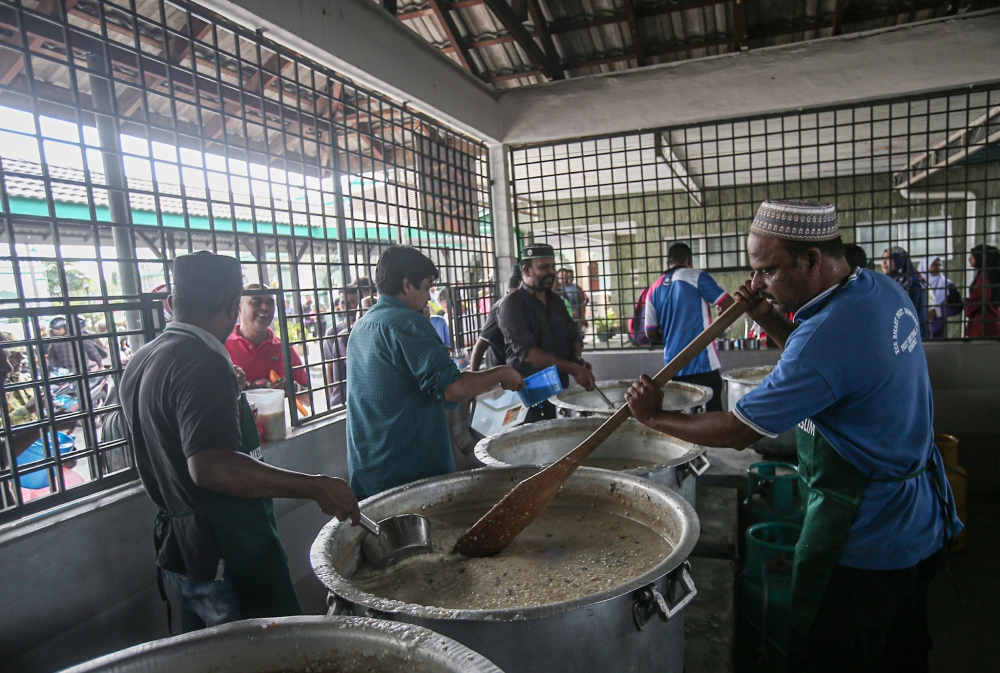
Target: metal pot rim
<point x="450" y="652"/>
<point x="705" y="391"/>
<point x="482" y="451"/>
<point x="339" y="585"/>
<point x="736" y="375"/>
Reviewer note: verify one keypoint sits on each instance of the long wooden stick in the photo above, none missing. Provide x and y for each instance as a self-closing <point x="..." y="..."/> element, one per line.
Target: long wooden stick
<point x="528" y="500"/>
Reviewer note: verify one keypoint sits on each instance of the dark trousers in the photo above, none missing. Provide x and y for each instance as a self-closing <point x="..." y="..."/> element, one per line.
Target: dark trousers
<point x="711" y="380"/>
<point x="869" y="620"/>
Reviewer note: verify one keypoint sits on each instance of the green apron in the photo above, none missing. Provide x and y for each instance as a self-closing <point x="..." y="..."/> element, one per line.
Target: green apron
<point x="247" y="533"/>
<point x="831" y="490"/>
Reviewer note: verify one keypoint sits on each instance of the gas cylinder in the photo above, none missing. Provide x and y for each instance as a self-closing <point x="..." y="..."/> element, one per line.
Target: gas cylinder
<point x="763" y="597"/>
<point x="772" y="494"/>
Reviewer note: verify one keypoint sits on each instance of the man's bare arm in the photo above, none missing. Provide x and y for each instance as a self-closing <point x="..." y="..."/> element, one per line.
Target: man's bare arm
<point x="234" y="473"/>
<point x="478" y="353"/>
<point x="761" y="311"/>
<point x="717" y="428"/>
<point x="470" y="384"/>
<point x="538" y="358"/>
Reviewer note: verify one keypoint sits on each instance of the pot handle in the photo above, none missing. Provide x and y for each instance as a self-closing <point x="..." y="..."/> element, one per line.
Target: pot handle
<point x="336" y="605"/>
<point x="650" y="601"/>
<point x="699" y="465"/>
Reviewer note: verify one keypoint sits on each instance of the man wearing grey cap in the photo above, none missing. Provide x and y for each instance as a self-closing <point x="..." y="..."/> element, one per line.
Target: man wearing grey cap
<point x="195" y="445"/>
<point x="853" y="378"/>
<point x="537" y="329"/>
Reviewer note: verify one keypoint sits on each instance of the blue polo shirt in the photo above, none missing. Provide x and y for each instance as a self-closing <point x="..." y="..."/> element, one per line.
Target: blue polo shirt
<point x="397" y="372"/>
<point x="678" y="304"/>
<point x="855" y="371"/>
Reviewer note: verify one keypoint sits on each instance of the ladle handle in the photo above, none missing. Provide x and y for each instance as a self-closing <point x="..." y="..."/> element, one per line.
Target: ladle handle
<point x="604" y="397"/>
<point x="369" y="525"/>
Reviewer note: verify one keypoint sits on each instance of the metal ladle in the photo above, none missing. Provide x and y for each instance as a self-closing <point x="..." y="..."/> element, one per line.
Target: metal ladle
<point x="394" y="539"/>
<point x="604" y="397"/>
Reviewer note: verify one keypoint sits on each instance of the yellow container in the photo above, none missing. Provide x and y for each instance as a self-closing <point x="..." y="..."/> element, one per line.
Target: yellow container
<point x="948" y="444"/>
<point x="958" y="479"/>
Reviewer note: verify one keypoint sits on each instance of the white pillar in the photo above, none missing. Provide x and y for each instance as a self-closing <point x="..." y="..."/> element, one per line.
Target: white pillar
<point x="502" y="215"/>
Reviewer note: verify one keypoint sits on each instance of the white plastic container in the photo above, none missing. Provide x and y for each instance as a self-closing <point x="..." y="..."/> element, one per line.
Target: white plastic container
<point x="270" y="413"/>
<point x="498" y="410"/>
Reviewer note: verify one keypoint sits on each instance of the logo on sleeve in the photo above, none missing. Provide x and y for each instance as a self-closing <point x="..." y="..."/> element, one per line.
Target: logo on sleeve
<point x="905" y="330"/>
<point x="808" y="427"/>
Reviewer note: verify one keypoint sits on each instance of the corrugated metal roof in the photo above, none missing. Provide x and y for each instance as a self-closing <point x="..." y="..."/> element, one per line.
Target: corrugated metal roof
<point x="595" y="36"/>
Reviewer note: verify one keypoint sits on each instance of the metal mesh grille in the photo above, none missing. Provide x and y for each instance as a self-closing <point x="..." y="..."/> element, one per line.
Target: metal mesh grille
<point x="920" y="173"/>
<point x="131" y="132"/>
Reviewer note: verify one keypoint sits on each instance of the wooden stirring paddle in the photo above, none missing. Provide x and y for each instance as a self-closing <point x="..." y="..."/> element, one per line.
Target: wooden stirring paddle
<point x="528" y="500"/>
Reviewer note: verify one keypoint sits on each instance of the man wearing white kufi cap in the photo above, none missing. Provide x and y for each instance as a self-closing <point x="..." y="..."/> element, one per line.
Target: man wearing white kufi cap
<point x="853" y="378"/>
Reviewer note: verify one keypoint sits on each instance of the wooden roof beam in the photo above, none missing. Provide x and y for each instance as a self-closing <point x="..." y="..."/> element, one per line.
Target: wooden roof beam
<point x="542" y="31"/>
<point x="850" y="18"/>
<point x="741" y="39"/>
<point x="633" y="29"/>
<point x="838" y="16"/>
<point x="639" y="13"/>
<point x="515" y="27"/>
<point x="686" y="46"/>
<point x="648" y="52"/>
<point x="415" y="14"/>
<point x="442" y="10"/>
<point x="514" y="75"/>
<point x="568" y="27"/>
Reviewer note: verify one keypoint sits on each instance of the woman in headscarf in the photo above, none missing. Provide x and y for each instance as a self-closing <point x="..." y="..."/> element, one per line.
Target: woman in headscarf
<point x="938" y="288"/>
<point x="982" y="308"/>
<point x="897" y="265"/>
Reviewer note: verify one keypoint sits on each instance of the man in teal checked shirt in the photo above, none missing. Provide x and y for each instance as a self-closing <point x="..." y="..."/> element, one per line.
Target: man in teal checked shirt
<point x="399" y="378"/>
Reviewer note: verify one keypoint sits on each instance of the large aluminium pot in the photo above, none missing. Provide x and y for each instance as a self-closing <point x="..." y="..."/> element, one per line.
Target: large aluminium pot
<point x="675" y="463"/>
<point x="615" y="630"/>
<point x="677" y="396"/>
<point x="741" y="381"/>
<point x="291" y="644"/>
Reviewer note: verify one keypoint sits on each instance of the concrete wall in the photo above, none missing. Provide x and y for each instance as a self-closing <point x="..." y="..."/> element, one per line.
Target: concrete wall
<point x="964" y="378"/>
<point x="81" y="582"/>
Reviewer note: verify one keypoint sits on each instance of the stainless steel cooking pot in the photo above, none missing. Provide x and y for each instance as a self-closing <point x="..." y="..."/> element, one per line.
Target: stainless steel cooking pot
<point x="738" y="383"/>
<point x="636" y="626"/>
<point x="307" y="644"/>
<point x="676" y="463"/>
<point x="677" y="396"/>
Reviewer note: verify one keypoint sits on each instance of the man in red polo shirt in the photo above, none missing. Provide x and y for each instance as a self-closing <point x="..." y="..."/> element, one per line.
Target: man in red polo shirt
<point x="254" y="348"/>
